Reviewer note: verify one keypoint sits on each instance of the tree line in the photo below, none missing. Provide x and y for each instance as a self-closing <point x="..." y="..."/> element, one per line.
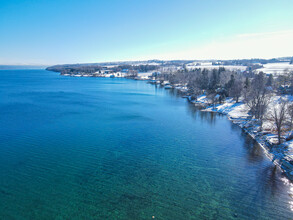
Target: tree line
<point x="90" y="69"/>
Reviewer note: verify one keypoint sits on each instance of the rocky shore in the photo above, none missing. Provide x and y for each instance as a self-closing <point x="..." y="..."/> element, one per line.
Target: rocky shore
<point x="280" y="154"/>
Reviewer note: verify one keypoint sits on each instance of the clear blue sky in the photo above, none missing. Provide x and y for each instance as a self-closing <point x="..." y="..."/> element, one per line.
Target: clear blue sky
<point x="70" y="31"/>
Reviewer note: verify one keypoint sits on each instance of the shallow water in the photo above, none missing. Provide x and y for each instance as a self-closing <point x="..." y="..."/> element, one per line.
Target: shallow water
<point x="97" y="148"/>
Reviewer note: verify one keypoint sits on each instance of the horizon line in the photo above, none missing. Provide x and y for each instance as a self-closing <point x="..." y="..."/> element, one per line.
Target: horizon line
<point x="144" y="60"/>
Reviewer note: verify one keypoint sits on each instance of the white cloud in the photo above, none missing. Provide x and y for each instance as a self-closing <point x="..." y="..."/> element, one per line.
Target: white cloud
<point x="248" y="45"/>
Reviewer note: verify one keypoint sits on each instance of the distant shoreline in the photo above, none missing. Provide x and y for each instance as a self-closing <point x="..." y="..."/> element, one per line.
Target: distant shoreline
<point x="21" y="67"/>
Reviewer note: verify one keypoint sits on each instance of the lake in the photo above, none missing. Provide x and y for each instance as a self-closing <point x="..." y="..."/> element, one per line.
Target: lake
<point x="101" y="148"/>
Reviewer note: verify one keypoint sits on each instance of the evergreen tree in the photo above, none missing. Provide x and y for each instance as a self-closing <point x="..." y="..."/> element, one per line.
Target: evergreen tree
<point x="230" y="84"/>
<point x="270" y="80"/>
<point x="246" y="83"/>
<point x="213" y="80"/>
<point x="204" y="79"/>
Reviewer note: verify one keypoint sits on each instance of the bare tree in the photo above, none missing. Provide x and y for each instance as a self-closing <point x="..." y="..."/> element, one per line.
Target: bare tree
<point x="258" y="97"/>
<point x="279" y="117"/>
<point x="236" y="89"/>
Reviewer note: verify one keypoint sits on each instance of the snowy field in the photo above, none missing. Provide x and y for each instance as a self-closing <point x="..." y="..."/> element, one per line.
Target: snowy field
<point x="270" y="68"/>
<point x="276" y="68"/>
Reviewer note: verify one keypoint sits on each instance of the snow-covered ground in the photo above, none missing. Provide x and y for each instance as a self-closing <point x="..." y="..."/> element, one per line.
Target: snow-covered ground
<point x="146" y="74"/>
<point x="229" y="107"/>
<point x="270" y="68"/>
<point x="276" y="68"/>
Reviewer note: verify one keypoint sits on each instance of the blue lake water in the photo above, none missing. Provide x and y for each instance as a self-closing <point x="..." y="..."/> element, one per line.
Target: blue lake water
<point x="98" y="148"/>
